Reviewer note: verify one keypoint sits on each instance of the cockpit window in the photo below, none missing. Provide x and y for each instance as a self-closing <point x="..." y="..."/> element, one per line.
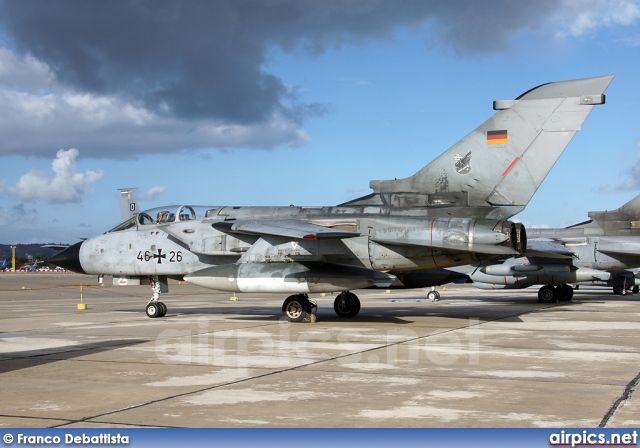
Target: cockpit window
<point x="186" y="213"/>
<point x="129" y="223"/>
<point x="165" y="216"/>
<point x="144" y="219"/>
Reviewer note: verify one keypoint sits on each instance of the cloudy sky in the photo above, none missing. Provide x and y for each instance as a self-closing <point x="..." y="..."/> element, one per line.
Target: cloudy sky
<point x="277" y="102"/>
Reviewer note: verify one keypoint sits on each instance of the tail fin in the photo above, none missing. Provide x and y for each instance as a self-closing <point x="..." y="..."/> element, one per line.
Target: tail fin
<point x="503" y="161"/>
<point x="622" y="221"/>
<point x="128" y="204"/>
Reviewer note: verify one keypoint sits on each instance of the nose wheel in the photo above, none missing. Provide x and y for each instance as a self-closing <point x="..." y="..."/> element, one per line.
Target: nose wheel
<point x="156" y="309"/>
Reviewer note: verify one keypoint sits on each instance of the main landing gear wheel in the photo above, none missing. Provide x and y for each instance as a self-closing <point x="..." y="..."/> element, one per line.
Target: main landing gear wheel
<point x="547" y="294"/>
<point x="347" y="304"/>
<point x="296" y="308"/>
<point x="565" y="293"/>
<point x="619" y="290"/>
<point x="156" y="309"/>
<point x="434" y="296"/>
<point x="635" y="289"/>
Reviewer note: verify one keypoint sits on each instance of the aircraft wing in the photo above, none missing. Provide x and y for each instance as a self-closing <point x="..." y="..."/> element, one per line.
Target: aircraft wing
<point x="288" y="228"/>
<point x="547" y="249"/>
<point x="620" y="252"/>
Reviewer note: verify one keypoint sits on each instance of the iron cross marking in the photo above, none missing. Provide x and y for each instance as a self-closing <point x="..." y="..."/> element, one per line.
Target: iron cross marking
<point x="160" y="256"/>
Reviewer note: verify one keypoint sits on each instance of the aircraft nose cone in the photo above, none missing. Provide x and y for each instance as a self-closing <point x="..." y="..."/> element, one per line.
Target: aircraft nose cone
<point x="69" y="259"/>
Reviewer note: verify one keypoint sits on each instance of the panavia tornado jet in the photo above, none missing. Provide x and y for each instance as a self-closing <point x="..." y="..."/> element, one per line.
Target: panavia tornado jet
<point x="604" y="251"/>
<point x="452" y="212"/>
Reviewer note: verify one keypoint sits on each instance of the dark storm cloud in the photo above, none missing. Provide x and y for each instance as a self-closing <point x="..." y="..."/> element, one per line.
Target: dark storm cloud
<point x="206" y="59"/>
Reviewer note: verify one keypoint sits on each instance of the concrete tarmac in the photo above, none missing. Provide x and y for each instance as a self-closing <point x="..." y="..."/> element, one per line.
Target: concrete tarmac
<point x="474" y="359"/>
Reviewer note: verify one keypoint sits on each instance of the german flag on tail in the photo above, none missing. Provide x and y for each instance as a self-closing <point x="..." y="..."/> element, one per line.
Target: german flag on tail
<point x="497" y="137"/>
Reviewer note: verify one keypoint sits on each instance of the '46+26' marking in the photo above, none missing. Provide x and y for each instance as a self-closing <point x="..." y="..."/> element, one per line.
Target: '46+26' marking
<point x="174" y="257"/>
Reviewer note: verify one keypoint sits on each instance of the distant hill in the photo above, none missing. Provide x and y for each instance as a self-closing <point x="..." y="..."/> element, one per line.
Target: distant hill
<point x="26" y="250"/>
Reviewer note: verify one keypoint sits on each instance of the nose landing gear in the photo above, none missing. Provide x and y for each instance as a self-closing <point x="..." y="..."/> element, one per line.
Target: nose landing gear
<point x="155" y="308"/>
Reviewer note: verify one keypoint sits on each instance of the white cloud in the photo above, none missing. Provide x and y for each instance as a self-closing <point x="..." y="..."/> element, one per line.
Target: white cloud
<point x="632" y="41"/>
<point x="24" y="74"/>
<point x="65" y="185"/>
<point x="153" y="193"/>
<point x="38" y="113"/>
<point x="114" y="128"/>
<point x="585" y="16"/>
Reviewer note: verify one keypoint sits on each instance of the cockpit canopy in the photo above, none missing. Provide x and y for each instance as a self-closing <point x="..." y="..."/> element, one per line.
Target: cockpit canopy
<point x="166" y="214"/>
